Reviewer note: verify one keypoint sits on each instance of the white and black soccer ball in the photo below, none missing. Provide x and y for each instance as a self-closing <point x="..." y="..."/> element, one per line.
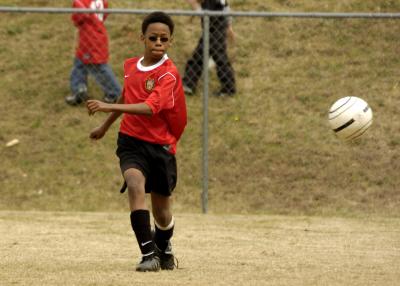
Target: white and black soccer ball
<point x="350" y="117"/>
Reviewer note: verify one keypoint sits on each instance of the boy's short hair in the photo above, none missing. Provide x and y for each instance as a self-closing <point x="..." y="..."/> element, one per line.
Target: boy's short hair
<point x="158" y="17"/>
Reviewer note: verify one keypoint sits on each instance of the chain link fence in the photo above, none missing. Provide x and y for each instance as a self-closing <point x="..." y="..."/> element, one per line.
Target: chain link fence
<point x="240" y="85"/>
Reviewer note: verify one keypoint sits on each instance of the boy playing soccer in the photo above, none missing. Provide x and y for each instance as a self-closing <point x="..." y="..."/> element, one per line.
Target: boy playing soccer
<point x="154" y="108"/>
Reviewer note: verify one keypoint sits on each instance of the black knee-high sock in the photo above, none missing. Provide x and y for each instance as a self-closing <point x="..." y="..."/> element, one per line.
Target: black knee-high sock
<point x="140" y="221"/>
<point x="163" y="235"/>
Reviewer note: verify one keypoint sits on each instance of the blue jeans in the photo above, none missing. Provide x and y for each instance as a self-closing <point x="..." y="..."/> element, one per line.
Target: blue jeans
<point x="102" y="73"/>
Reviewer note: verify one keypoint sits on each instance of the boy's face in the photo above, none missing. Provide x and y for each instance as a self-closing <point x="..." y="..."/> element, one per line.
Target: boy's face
<point x="157" y="39"/>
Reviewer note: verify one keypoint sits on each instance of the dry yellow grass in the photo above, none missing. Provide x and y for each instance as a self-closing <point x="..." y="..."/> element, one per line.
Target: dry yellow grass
<point x="271" y="151"/>
<point x="57" y="248"/>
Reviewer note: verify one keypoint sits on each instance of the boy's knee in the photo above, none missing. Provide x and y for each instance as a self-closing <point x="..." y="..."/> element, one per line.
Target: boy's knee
<point x="135" y="187"/>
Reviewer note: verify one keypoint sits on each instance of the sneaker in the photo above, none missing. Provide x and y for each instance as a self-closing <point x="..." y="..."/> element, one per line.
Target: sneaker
<point x="149" y="263"/>
<point x="223" y="94"/>
<point x="109" y="99"/>
<point x="188" y="90"/>
<point x="167" y="258"/>
<point x="77" y="98"/>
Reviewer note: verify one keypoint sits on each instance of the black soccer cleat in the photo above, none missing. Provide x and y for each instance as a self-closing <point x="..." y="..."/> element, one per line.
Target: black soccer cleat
<point x="167" y="258"/>
<point x="149" y="263"/>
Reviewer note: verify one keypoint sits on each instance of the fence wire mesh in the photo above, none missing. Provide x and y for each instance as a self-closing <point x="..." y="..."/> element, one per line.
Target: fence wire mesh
<point x="259" y="146"/>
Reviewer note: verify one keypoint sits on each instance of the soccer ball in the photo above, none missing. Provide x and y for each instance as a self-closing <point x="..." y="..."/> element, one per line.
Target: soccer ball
<point x="350" y="117"/>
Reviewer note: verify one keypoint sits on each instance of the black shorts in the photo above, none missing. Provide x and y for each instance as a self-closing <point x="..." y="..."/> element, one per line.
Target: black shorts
<point x="154" y="161"/>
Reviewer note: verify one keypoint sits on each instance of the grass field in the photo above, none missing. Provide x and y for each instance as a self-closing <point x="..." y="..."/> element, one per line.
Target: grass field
<point x="288" y="203"/>
<point x="70" y="248"/>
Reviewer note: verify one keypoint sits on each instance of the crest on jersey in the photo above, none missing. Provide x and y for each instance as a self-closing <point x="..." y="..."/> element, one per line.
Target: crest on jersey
<point x="149" y="85"/>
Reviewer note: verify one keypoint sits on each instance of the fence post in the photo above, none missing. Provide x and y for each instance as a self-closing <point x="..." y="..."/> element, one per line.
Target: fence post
<point x="206" y="47"/>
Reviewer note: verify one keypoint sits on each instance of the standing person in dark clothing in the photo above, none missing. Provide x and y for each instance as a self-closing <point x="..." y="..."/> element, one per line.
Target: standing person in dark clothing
<point x="220" y="28"/>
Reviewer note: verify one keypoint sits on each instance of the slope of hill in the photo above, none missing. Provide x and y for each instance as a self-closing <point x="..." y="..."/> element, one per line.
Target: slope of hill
<point x="271" y="150"/>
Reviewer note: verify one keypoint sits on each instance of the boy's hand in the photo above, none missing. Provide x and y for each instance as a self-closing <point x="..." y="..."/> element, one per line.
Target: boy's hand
<point x="95" y="105"/>
<point x="97" y="133"/>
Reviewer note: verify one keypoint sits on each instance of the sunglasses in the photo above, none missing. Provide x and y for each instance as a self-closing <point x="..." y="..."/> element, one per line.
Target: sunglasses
<point x="162" y="39"/>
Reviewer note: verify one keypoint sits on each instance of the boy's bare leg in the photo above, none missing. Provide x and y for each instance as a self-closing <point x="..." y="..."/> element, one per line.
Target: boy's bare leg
<point x="161" y="206"/>
<point x="140" y="219"/>
<point x="135" y="181"/>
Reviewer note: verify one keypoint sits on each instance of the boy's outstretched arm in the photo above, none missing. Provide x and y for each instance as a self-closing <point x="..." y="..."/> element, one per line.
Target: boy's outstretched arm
<point x="100" y="131"/>
<point x="94" y="106"/>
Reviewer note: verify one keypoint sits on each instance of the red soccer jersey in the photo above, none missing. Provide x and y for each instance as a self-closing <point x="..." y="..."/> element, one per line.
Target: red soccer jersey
<point x="160" y="87"/>
<point x="93" y="39"/>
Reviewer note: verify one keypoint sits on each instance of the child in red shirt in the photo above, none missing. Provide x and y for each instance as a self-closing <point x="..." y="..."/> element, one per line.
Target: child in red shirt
<point x="91" y="54"/>
<point x="154" y="108"/>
